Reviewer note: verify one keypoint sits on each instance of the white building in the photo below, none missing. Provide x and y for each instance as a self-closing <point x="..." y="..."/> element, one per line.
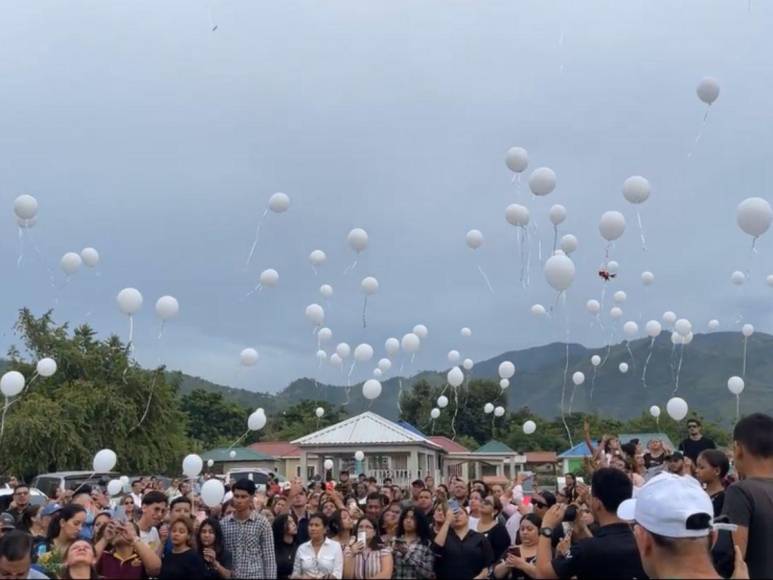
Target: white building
<point x="391" y="450"/>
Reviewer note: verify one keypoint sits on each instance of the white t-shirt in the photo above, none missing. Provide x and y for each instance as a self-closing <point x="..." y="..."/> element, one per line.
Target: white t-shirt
<point x="151" y="538"/>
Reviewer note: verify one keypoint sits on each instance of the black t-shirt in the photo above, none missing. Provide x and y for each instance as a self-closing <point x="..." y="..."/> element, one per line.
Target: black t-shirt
<point x="285" y="558"/>
<point x="749" y="503"/>
<point x="225" y="560"/>
<point x="693" y="448"/>
<point x="463" y="558"/>
<point x="185" y="565"/>
<point x="611" y="553"/>
<point x="651" y="461"/>
<point x="499" y="539"/>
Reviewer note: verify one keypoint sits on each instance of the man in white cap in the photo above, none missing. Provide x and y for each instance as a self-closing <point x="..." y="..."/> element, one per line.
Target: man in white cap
<point x="673" y="523"/>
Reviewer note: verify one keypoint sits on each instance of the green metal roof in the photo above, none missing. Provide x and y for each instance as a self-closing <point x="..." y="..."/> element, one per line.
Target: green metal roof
<point x="494" y="446"/>
<point x="242" y="454"/>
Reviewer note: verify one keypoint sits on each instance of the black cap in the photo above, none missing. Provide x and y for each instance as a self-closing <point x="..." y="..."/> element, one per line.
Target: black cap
<point x="7" y="521"/>
<point x="675" y="456"/>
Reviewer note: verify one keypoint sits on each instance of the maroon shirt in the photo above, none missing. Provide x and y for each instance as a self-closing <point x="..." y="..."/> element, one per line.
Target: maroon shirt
<point x="110" y="566"/>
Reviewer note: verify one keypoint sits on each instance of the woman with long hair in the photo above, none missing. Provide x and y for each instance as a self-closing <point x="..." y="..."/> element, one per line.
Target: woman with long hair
<point x="211" y="547"/>
<point x="520" y="560"/>
<point x="490" y="526"/>
<point x="711" y="469"/>
<point x="387" y="523"/>
<point x="367" y="558"/>
<point x="64" y="529"/>
<point x="341" y="526"/>
<point x="413" y="557"/>
<point x="79" y="561"/>
<point x="439" y="511"/>
<point x="285" y="544"/>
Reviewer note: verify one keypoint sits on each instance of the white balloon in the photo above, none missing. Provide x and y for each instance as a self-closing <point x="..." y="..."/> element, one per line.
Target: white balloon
<point x="593" y="306"/>
<point x="70" y="263"/>
<point x="392" y="346"/>
<point x="315" y="314"/>
<point x="279" y="202"/>
<point x="317" y="258"/>
<point x="363" y="352"/>
<point x="653" y="328"/>
<point x="104" y="461"/>
<point x="232" y="454"/>
<point x="517" y="159"/>
<point x="677" y="408"/>
<point x="467" y="364"/>
<point x="542" y="181"/>
<point x="616" y="312"/>
<point x="384" y="364"/>
<point x="192" y="465"/>
<point x="12" y="383"/>
<point x="595" y="360"/>
<point x="129" y="301"/>
<point x="647" y="278"/>
<point x="212" y="492"/>
<point x="506" y="369"/>
<point x="488" y="408"/>
<point x="167" y="307"/>
<point x="328" y="464"/>
<point x="619" y="297"/>
<point x="321" y="355"/>
<point x="256" y="421"/>
<point x="248" y="357"/>
<point x="735" y="385"/>
<point x="46" y="367"/>
<point x="359" y="455"/>
<point x="474" y="239"/>
<point x="754" y="216"/>
<point x="114" y="487"/>
<point x="676" y="338"/>
<point x="357" y="239"/>
<point x="421" y="331"/>
<point x="324" y="334"/>
<point x="559" y="271"/>
<point x="336" y="360"/>
<point x="434" y="413"/>
<point x="499" y="411"/>
<point x="442" y="401"/>
<point x="504" y="383"/>
<point x="269" y="278"/>
<point x="578" y="378"/>
<point x="747" y="330"/>
<point x="683" y="326"/>
<point x="377" y="373"/>
<point x="466" y="332"/>
<point x="371" y="389"/>
<point x="343" y="350"/>
<point x="455" y="377"/>
<point x="410" y="343"/>
<point x="453" y="356"/>
<point x="568" y="243"/>
<point x="538" y="310"/>
<point x="630" y="328"/>
<point x="669" y="317"/>
<point x="90" y="257"/>
<point x="612" y="225"/>
<point x="210" y="462"/>
<point x="529" y="427"/>
<point x="655" y="411"/>
<point x="369" y="285"/>
<point x="557" y="214"/>
<point x="326" y="290"/>
<point x="636" y="189"/>
<point x="623" y="367"/>
<point x="708" y="90"/>
<point x="737" y="278"/>
<point x="517" y="215"/>
<point x="25" y="207"/>
<point x="713" y="324"/>
<point x="612" y="267"/>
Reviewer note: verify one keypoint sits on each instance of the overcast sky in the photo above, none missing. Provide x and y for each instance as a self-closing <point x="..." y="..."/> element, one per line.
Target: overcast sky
<point x="158" y="141"/>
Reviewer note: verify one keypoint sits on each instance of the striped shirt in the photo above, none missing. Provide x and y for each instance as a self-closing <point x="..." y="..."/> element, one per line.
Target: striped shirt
<point x="367" y="564"/>
<point x="251" y="542"/>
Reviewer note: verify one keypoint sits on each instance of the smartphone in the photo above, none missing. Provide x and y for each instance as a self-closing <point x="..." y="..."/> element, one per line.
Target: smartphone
<point x="454" y="505"/>
<point x="362" y="538"/>
<point x="120" y="515"/>
<point x="514" y="550"/>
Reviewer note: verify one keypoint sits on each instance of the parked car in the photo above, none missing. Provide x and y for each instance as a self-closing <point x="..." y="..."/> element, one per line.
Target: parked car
<point x="48" y="483"/>
<point x="256" y="474"/>
<point x="37" y="497"/>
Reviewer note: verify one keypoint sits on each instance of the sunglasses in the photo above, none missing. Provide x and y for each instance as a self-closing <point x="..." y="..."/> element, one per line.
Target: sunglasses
<point x="538" y="503"/>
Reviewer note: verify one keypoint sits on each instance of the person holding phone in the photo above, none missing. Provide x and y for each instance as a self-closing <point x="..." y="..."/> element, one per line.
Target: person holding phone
<point x="121" y="553"/>
<point x="460" y="551"/>
<point x="368" y="558"/>
<point x="519" y="560"/>
<point x="211" y="548"/>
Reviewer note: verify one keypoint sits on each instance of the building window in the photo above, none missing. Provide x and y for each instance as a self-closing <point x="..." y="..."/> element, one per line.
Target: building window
<point x="376" y="462"/>
<point x="309" y="472"/>
<point x="298" y="471"/>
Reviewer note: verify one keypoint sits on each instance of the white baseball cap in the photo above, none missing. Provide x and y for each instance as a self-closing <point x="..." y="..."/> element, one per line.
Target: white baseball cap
<point x="666" y="504"/>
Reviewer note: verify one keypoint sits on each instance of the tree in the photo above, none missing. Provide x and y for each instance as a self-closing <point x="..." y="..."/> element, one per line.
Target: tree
<point x="97" y="398"/>
<point x="212" y="421"/>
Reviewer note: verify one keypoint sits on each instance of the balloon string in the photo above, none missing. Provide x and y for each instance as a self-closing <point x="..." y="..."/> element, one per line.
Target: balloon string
<point x="630" y="353"/>
<point x="364" y="309"/>
<point x="258" y="289"/>
<point x="593" y="382"/>
<point x="566" y="370"/>
<point x="212" y="23"/>
<point x="21" y="248"/>
<point x="161" y="329"/>
<point x="131" y="333"/>
<point x="147" y="405"/>
<point x="679" y="368"/>
<point x="2" y="421"/>
<point x="737" y="407"/>
<point x="555" y="238"/>
<point x="255" y="242"/>
<point x="646" y="364"/>
<point x="351" y="266"/>
<point x="349" y="376"/>
<point x="456" y="410"/>
<point x="700" y="132"/>
<point x="523" y="246"/>
<point x="743" y="368"/>
<point x="641" y="231"/>
<point x="238" y="440"/>
<point x="485" y="278"/>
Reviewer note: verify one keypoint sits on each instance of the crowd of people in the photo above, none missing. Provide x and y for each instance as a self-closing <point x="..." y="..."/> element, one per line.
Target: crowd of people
<point x="651" y="513"/>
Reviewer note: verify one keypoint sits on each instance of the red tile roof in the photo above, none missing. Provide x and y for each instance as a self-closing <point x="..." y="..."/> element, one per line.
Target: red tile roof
<point x="276" y="448"/>
<point x="541" y="457"/>
<point x="448" y="444"/>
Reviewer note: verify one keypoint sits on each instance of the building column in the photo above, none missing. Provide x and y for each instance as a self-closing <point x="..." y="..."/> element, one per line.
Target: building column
<point x="304" y="475"/>
<point x="512" y="467"/>
<point x="413" y="464"/>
